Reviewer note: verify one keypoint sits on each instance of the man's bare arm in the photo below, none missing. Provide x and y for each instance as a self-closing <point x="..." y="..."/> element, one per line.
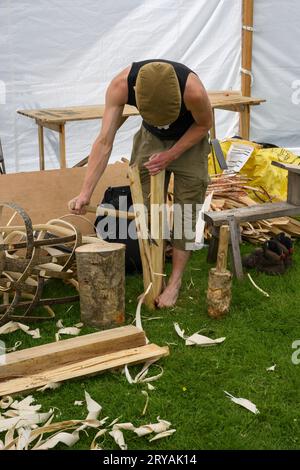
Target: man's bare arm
<point x="115" y="99"/>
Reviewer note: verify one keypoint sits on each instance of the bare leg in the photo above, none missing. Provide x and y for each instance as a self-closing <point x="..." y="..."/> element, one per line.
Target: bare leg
<point x="169" y="296"/>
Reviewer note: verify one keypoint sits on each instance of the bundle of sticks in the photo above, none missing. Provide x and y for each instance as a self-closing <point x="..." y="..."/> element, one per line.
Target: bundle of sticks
<point x="233" y="191"/>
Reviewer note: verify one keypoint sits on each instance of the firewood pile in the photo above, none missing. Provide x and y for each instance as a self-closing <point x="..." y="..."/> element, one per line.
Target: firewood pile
<point x="235" y="191"/>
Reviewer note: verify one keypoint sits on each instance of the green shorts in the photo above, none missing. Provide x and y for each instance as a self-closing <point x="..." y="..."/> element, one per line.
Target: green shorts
<point x="190" y="182"/>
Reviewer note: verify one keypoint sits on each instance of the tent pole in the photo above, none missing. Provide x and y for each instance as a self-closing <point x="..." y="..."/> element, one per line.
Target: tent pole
<point x="247" y="40"/>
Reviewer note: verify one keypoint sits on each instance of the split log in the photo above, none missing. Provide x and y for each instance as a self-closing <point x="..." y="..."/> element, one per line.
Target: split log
<point x="101" y="276"/>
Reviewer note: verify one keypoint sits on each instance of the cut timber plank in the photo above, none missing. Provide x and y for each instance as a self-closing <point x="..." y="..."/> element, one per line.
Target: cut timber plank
<point x="83" y="368"/>
<point x="53" y="355"/>
<point x="252" y="213"/>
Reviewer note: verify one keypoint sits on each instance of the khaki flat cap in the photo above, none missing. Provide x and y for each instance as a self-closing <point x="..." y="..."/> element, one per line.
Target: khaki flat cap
<point x="157" y="93"/>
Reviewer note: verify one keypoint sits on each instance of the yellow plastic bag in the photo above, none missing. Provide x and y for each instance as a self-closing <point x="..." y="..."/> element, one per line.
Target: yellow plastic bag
<point x="259" y="168"/>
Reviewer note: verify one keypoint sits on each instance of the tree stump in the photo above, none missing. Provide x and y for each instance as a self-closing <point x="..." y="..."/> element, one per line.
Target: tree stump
<point x="101" y="277"/>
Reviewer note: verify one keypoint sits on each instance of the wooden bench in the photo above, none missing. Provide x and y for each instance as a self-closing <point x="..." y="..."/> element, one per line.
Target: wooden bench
<point x="233" y="217"/>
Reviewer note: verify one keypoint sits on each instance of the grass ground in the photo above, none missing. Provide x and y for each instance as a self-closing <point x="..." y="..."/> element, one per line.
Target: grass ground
<point x="259" y="333"/>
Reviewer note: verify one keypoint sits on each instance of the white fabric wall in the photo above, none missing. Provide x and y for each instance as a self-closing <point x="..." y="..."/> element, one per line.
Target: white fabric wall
<point x="63" y="53"/>
<point x="276" y="71"/>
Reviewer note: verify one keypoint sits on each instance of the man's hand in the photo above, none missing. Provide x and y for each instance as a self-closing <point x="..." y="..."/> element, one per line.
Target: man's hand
<point x="158" y="162"/>
<point x="77" y="205"/>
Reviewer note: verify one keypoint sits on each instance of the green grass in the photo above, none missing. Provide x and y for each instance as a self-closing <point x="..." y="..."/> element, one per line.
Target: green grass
<point x="259" y="332"/>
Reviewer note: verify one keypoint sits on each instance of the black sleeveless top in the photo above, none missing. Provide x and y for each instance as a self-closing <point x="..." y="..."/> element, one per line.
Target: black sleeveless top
<point x="185" y="119"/>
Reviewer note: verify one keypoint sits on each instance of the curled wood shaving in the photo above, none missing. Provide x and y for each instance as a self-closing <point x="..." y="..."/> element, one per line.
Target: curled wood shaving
<point x="161" y="435"/>
<point x="196" y="339"/>
<point x="244" y="402"/>
<point x="12" y="326"/>
<point x="146" y="403"/>
<point x="141" y="376"/>
<point x="256" y="286"/>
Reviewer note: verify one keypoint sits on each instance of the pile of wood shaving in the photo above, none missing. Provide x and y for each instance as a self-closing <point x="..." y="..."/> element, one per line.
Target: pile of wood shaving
<point x="234" y="191"/>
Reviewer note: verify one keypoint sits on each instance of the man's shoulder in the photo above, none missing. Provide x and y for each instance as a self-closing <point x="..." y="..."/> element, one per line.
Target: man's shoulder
<point x="194" y="89"/>
<point x="118" y="87"/>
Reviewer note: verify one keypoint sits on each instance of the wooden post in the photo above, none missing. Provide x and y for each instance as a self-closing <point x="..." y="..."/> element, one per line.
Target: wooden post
<point x="41" y="147"/>
<point x="235" y="236"/>
<point x="101" y="276"/>
<point x="245" y="122"/>
<point x="62" y="146"/>
<point x="247" y="41"/>
<point x="213" y="127"/>
<point x="157" y="218"/>
<point x="219" y="281"/>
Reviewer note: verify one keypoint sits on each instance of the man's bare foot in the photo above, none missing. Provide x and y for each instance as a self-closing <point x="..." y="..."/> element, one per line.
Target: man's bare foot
<point x="169" y="296"/>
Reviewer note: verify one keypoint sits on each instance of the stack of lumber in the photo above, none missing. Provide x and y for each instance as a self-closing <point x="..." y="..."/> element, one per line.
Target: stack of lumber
<point x="234" y="191"/>
<point x="82" y="356"/>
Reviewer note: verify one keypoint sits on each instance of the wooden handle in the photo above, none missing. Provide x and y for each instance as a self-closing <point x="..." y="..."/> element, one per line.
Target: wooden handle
<point x="223" y="249"/>
<point x="110" y="212"/>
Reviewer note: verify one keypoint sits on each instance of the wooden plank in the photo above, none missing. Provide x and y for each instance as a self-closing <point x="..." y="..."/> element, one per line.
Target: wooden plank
<point x="235" y="247"/>
<point x="41" y="147"/>
<point x="157" y="216"/>
<point x="252" y="213"/>
<point x="80" y="113"/>
<point x="52" y="191"/>
<point x="87" y="367"/>
<point x="73" y="113"/>
<point x="52" y="355"/>
<point x="287" y="166"/>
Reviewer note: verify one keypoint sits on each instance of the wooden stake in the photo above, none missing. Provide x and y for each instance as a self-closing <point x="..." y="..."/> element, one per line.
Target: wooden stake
<point x="219" y="282"/>
<point x="101" y="276"/>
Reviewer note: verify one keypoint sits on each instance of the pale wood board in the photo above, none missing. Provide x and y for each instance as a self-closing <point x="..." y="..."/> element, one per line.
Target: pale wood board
<point x="218" y="99"/>
<point x="52" y="355"/>
<point x="84" y="368"/>
<point x="44" y="195"/>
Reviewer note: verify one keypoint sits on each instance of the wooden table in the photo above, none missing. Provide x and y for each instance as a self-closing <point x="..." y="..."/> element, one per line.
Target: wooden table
<point x="56" y="118"/>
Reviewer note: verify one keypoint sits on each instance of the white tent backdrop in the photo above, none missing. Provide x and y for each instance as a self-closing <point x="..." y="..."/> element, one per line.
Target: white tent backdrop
<point x="64" y="53"/>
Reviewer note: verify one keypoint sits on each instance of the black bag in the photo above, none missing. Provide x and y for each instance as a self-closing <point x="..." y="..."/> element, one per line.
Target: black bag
<point x="117" y="230"/>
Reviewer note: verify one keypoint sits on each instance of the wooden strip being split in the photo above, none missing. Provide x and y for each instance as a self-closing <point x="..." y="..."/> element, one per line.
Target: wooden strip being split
<point x="157" y="214"/>
<point x="142" y="232"/>
<point x="83" y="368"/>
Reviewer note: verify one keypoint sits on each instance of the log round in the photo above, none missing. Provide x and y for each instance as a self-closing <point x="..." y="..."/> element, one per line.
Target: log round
<point x="101" y="277"/>
<point x="218" y="293"/>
